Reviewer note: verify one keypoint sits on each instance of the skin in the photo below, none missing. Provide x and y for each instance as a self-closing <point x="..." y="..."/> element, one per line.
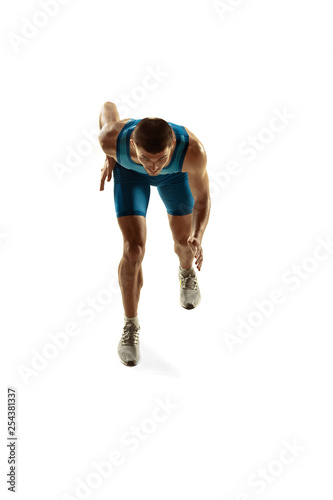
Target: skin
<point x="187" y="230"/>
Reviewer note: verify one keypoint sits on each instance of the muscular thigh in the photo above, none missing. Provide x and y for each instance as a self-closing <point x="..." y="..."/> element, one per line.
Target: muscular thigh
<point x="176" y="194"/>
<point x="181" y="226"/>
<point x="131" y="192"/>
<point x="134" y="230"/>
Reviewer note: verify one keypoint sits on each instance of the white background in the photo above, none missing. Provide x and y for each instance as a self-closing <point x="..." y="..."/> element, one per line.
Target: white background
<point x="224" y="74"/>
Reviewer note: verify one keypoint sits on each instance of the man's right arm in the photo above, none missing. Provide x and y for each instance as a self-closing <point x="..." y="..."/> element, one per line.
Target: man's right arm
<point x="109" y="114"/>
<point x="107" y="118"/>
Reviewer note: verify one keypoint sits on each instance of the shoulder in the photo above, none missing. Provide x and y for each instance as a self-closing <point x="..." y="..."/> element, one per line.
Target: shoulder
<point x="108" y="135"/>
<point x="196" y="157"/>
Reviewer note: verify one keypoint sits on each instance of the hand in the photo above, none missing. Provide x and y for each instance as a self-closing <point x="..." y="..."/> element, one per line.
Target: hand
<point x="109" y="165"/>
<point x="196" y="248"/>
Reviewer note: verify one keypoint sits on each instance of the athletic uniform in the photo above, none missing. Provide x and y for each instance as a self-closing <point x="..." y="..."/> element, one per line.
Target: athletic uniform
<point x="132" y="183"/>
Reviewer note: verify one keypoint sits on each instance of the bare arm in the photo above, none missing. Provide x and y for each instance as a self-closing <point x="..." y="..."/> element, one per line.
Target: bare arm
<point x="108" y="116"/>
<point x="199" y="185"/>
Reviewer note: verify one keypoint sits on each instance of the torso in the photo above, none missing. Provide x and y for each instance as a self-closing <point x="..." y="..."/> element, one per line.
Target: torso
<point x="193" y="142"/>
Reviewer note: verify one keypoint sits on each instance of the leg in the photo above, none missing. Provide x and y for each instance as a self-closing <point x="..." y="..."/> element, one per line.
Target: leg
<point x="180" y="226"/>
<point x="177" y="197"/>
<point x="179" y="202"/>
<point x="130" y="275"/>
<point x="131" y="198"/>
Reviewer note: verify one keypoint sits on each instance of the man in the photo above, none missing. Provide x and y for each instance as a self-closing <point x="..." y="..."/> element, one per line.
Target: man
<point x="144" y="153"/>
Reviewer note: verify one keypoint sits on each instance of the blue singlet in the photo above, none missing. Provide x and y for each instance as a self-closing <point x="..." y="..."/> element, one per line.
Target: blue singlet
<point x="132" y="183"/>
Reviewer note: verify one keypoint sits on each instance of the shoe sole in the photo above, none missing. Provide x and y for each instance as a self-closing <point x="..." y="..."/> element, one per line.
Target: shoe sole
<point x="190" y="306"/>
<point x="130" y="363"/>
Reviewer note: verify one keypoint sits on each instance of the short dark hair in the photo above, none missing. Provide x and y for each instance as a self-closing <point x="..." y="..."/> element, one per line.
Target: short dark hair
<point x="153" y="135"/>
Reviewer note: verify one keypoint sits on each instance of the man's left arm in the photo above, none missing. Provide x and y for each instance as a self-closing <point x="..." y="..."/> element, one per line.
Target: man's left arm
<point x="199" y="185"/>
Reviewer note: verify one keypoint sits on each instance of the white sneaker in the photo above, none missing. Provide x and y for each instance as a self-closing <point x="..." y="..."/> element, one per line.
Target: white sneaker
<point x="189" y="289"/>
<point x="128" y="347"/>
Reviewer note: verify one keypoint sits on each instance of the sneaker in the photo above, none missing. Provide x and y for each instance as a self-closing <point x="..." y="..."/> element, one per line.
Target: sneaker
<point x="128" y="347"/>
<point x="189" y="289"/>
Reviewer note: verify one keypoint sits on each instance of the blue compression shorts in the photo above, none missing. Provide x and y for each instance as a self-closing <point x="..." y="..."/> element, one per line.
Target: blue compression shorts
<point x="132" y="192"/>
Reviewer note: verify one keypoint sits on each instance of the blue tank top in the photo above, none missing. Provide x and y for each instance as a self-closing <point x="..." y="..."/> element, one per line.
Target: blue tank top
<point x="123" y="149"/>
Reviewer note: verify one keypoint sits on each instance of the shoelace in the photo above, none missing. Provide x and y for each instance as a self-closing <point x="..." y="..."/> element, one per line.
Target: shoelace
<point x="130" y="334"/>
<point x="189" y="282"/>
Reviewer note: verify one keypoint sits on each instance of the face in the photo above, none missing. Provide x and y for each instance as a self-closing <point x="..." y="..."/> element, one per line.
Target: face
<point x="153" y="164"/>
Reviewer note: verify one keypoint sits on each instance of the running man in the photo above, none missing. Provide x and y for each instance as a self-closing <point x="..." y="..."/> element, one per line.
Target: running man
<point x="144" y="153"/>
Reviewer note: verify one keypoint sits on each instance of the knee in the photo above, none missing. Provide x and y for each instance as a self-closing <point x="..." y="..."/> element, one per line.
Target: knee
<point x="134" y="251"/>
<point x="180" y="241"/>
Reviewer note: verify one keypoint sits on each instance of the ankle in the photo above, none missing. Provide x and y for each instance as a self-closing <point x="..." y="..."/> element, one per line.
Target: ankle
<point x="185" y="268"/>
<point x="135" y="320"/>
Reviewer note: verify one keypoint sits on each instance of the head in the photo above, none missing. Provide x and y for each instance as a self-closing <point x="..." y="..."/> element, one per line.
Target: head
<point x="154" y="143"/>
